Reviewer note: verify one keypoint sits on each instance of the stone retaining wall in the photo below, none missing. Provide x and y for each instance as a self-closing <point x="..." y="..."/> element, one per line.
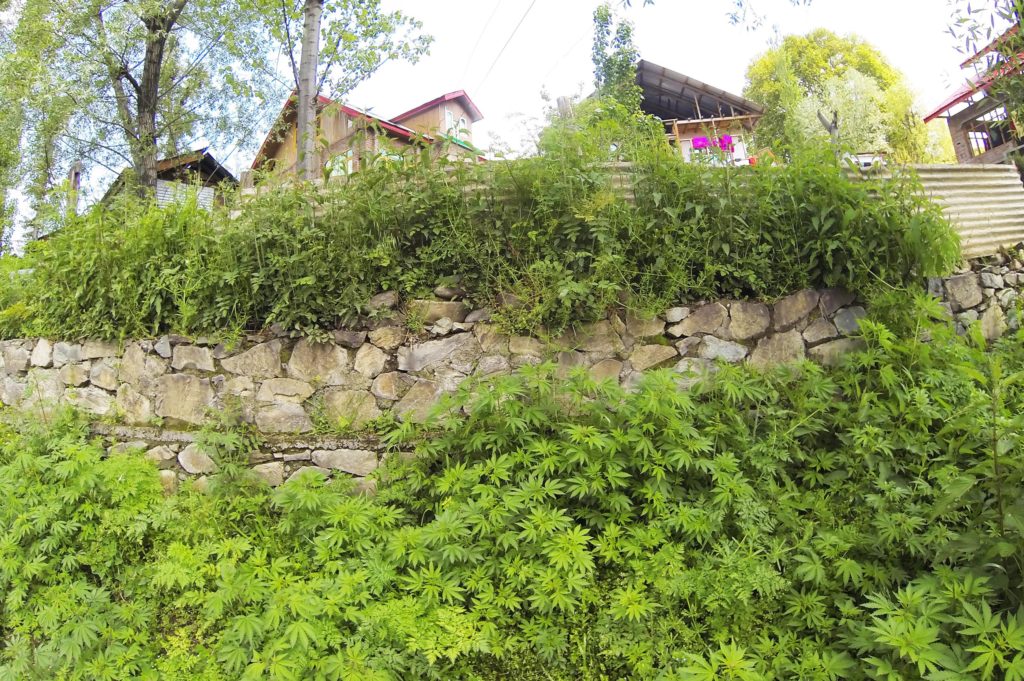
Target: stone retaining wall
<point x="154" y="394"/>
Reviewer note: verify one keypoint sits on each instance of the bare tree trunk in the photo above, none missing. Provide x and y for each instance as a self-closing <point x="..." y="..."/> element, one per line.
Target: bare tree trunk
<point x="308" y="61"/>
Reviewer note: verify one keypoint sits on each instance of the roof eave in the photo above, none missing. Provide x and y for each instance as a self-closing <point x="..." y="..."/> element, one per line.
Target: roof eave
<point x="735" y="100"/>
<point x="474" y="112"/>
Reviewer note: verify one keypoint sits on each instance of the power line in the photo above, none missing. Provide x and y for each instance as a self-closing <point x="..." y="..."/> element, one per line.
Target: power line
<point x="503" y="47"/>
<point x="562" y="58"/>
<point x="480" y="37"/>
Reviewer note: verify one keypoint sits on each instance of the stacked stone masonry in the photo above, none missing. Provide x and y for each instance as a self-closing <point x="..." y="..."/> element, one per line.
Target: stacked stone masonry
<point x="153" y="395"/>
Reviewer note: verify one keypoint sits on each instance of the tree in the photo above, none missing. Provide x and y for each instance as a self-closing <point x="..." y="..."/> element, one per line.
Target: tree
<point x="120" y="82"/>
<point x="341" y="44"/>
<point x="801" y="67"/>
<point x="746" y="13"/>
<point x="856" y="102"/>
<point x="115" y="83"/>
<point x="307" y="90"/>
<point x="939" y="147"/>
<point x="977" y="25"/>
<point x="615" y="58"/>
<point x="36" y="106"/>
<point x="11" y="125"/>
<point x="742" y="12"/>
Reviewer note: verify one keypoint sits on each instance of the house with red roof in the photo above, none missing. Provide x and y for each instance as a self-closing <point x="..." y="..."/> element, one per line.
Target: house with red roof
<point x="979" y="123"/>
<point x="348" y="138"/>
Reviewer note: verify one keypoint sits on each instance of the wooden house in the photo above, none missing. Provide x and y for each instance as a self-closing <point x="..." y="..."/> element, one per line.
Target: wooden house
<point x="177" y="175"/>
<point x="451" y="115"/>
<point x="700" y="120"/>
<point x="979" y="124"/>
<point x="348" y="138"/>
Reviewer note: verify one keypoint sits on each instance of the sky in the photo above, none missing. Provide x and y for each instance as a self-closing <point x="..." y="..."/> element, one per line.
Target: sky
<point x="550" y="52"/>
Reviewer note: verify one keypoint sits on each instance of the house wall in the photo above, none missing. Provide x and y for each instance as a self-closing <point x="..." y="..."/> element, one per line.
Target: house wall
<point x="284" y="154"/>
<point x="962" y="146"/>
<point x="958" y="124"/>
<point x="334" y="125"/>
<point x="432" y="121"/>
<point x="338" y="134"/>
<point x="168" y="193"/>
<point x="739" y="133"/>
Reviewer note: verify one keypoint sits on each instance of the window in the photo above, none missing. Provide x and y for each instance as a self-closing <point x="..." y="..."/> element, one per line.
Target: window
<point x="455" y="128"/>
<point x="989" y="131"/>
<point x="979" y="141"/>
<point x="343" y="164"/>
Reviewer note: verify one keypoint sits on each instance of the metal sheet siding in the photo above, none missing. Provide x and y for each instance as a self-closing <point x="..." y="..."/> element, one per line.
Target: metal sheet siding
<point x="984" y="202"/>
<point x="173" y="192"/>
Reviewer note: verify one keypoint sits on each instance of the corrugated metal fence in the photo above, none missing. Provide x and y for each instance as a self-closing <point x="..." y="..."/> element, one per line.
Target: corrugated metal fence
<point x="984" y="202"/>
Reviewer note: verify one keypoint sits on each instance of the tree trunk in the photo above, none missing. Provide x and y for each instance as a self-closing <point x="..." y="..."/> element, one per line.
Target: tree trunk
<point x="308" y="61"/>
<point x="158" y="28"/>
<point x="145" y="157"/>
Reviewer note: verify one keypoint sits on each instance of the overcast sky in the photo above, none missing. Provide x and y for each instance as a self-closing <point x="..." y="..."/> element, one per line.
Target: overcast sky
<point x="551" y="50"/>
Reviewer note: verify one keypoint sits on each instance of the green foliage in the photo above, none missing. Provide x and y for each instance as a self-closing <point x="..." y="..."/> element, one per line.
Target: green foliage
<point x="764" y="231"/>
<point x="88" y="79"/>
<point x="615" y="59"/>
<point x="857" y="523"/>
<point x="975" y="26"/>
<point x="857" y="100"/>
<point x="13" y="305"/>
<point x="807" y="66"/>
<point x="555" y="230"/>
<point x="357" y="38"/>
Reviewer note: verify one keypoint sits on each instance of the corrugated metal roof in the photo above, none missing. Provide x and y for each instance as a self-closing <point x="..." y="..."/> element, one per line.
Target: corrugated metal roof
<point x="670" y="94"/>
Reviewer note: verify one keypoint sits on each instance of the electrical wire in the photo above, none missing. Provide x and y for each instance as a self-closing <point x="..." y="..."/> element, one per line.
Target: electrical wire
<point x="563" y="57"/>
<point x="503" y="47"/>
<point x="480" y="37"/>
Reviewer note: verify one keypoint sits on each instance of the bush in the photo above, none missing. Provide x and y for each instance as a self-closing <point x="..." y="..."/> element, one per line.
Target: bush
<point x="860" y="523"/>
<point x="555" y="230"/>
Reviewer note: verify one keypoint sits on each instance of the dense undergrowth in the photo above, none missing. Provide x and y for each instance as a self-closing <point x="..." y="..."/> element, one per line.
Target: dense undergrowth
<point x="857" y="523"/>
<point x="552" y="230"/>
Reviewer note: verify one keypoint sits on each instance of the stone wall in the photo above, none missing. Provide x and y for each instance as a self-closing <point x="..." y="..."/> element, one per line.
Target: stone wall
<point x="986" y="292"/>
<point x="153" y="395"/>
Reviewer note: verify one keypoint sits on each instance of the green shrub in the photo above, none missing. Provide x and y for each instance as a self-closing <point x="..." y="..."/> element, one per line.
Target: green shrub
<point x="857" y="523"/>
<point x="553" y="230"/>
<point x="14" y="310"/>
